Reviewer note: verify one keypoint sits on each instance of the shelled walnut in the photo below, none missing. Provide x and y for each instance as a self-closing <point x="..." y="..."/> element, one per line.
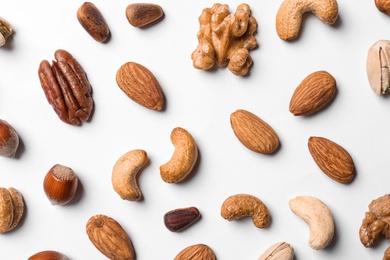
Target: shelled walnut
<point x="225" y="39"/>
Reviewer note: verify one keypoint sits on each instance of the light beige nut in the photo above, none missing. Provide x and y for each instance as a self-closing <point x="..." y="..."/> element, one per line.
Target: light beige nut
<point x="289" y="15"/>
<point x="378" y="67"/>
<point x="92" y="20"/>
<point x="225" y="39"/>
<point x="318" y="217"/>
<point x="383" y="6"/>
<point x="376" y="221"/>
<point x="313" y="93"/>
<point x="332" y="159"/>
<point x="109" y="237"/>
<point x="183" y="159"/>
<point x="244" y="205"/>
<point x="196" y="252"/>
<point x="141" y="14"/>
<point x="140" y="85"/>
<point x="278" y="251"/>
<point x="253" y="132"/>
<point x="125" y="174"/>
<point x="5" y="31"/>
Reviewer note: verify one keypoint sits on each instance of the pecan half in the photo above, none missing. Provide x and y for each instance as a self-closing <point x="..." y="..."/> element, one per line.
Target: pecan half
<point x="66" y="88"/>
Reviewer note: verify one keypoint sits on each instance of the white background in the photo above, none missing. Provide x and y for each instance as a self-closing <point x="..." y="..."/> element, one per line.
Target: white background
<point x="200" y="102"/>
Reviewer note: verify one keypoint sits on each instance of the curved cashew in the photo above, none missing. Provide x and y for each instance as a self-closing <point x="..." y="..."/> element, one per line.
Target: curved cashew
<point x="183" y="159"/>
<point x="125" y="173"/>
<point x="289" y="16"/>
<point x="319" y="218"/>
<point x="241" y="205"/>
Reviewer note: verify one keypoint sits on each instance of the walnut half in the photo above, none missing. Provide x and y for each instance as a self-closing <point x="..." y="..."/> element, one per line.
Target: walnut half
<point x="225" y="39"/>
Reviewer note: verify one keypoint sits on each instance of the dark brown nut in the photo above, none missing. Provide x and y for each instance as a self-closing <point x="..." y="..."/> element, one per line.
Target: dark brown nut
<point x="140" y="15"/>
<point x="178" y="219"/>
<point x="66" y="88"/>
<point x="376" y="221"/>
<point x="48" y="255"/>
<point x="93" y="22"/>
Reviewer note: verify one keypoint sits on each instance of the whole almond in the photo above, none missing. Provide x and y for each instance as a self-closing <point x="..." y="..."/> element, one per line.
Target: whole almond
<point x="92" y="20"/>
<point x="141" y="14"/>
<point x="140" y="85"/>
<point x="109" y="238"/>
<point x="253" y="132"/>
<point x="196" y="252"/>
<point x="332" y="159"/>
<point x="178" y="219"/>
<point x="313" y="93"/>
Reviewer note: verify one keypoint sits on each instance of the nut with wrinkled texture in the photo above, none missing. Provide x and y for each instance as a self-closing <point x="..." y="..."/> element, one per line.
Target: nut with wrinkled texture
<point x="386" y="255"/>
<point x="318" y="217"/>
<point x="289" y="15"/>
<point x="332" y="159"/>
<point x="11" y="209"/>
<point x="183" y="159"/>
<point x="5" y="31"/>
<point x="141" y="14"/>
<point x="278" y="251"/>
<point x="140" y="85"/>
<point x="243" y="205"/>
<point x="378" y="67"/>
<point x="313" y="93"/>
<point x="109" y="237"/>
<point x="196" y="252"/>
<point x="92" y="20"/>
<point x="376" y="221"/>
<point x="66" y="88"/>
<point x="125" y="174"/>
<point x="383" y="6"/>
<point x="254" y="133"/>
<point x="225" y="39"/>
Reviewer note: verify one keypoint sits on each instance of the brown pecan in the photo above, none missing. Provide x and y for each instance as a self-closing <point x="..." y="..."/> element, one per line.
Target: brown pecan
<point x="66" y="88"/>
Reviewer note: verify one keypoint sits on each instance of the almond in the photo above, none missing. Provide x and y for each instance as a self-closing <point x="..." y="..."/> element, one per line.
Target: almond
<point x="109" y="238"/>
<point x="313" y="93"/>
<point x="253" y="132"/>
<point x="140" y="85"/>
<point x="196" y="252"/>
<point x="332" y="159"/>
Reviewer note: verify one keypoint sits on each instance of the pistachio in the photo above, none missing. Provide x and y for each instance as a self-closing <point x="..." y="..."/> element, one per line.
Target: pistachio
<point x="5" y="30"/>
<point x="280" y="251"/>
<point x="378" y="67"/>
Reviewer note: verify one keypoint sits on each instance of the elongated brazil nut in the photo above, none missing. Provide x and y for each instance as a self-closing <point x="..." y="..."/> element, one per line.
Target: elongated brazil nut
<point x="140" y="85"/>
<point x="92" y="20"/>
<point x="243" y="205"/>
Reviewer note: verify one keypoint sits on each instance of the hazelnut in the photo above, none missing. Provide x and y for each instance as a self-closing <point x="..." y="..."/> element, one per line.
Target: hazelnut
<point x="60" y="184"/>
<point x="9" y="140"/>
<point x="48" y="255"/>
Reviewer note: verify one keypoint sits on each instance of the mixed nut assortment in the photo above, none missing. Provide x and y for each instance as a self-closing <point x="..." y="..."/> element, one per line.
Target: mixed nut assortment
<point x="224" y="40"/>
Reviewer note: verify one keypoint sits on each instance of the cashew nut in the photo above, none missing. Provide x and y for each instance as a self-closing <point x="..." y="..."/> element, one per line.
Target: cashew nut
<point x="289" y="16"/>
<point x="183" y="159"/>
<point x="125" y="173"/>
<point x="319" y="218"/>
<point x="241" y="205"/>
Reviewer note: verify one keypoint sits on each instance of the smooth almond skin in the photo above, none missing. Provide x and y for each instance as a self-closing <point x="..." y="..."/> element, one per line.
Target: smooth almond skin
<point x="141" y="14"/>
<point x="48" y="255"/>
<point x="140" y="85"/>
<point x="313" y="93"/>
<point x="196" y="252"/>
<point x="318" y="217"/>
<point x="92" y="20"/>
<point x="253" y="132"/>
<point x="108" y="236"/>
<point x="332" y="159"/>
